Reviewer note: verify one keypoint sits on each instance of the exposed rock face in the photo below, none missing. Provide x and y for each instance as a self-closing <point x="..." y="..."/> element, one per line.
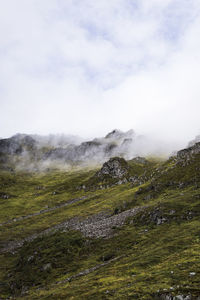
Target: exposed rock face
<point x="116" y="167"/>
<point x="17" y="144"/>
<point x="36" y="152"/>
<point x="120" y="134"/>
<point x="40" y="153"/>
<point x="188" y="153"/>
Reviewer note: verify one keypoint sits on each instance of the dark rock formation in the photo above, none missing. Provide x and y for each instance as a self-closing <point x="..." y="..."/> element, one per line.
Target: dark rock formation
<point x="17" y="144"/>
<point x="116" y="167"/>
<point x="189" y="152"/>
<point x="185" y="156"/>
<point x="120" y="134"/>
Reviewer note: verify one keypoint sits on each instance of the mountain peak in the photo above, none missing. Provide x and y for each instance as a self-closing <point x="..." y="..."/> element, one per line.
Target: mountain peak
<point x="116" y="133"/>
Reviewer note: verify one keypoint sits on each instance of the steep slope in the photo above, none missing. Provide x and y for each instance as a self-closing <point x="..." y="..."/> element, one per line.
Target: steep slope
<point x="129" y="230"/>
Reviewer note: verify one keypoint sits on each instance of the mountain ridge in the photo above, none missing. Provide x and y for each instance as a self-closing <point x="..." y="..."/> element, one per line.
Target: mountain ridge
<point x="40" y="153"/>
<point x="128" y="229"/>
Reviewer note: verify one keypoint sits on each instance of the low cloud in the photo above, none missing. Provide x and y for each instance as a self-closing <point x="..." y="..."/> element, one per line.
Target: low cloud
<point x="85" y="67"/>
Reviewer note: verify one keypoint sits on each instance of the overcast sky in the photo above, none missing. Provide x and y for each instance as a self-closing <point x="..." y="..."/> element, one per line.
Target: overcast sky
<point x="85" y="67"/>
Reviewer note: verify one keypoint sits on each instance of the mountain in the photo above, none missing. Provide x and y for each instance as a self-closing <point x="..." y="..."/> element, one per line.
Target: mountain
<point x="34" y="153"/>
<point x="128" y="229"/>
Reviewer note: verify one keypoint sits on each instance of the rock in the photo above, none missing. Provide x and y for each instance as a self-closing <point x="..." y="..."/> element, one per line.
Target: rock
<point x="186" y="154"/>
<point x="4" y="196"/>
<point x="17" y="144"/>
<point x="30" y="258"/>
<point x="160" y="220"/>
<point x="47" y="267"/>
<point x="116" y="167"/>
<point x="120" y="134"/>
<point x="178" y="297"/>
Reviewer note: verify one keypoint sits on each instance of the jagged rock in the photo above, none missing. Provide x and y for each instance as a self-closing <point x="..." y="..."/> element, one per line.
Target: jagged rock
<point x="187" y="153"/>
<point x="116" y="133"/>
<point x="43" y="153"/>
<point x="116" y="167"/>
<point x="36" y="153"/>
<point x="99" y="149"/>
<point x="9" y="146"/>
<point x="17" y="144"/>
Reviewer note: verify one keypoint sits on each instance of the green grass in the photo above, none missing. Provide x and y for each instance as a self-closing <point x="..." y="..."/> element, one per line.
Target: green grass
<point x="153" y="259"/>
<point x="150" y="258"/>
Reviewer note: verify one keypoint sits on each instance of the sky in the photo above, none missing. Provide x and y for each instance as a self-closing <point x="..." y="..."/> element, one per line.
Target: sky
<point x="85" y="67"/>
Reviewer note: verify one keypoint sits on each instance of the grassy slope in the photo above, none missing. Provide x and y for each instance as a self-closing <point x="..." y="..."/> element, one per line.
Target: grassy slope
<point x="152" y="258"/>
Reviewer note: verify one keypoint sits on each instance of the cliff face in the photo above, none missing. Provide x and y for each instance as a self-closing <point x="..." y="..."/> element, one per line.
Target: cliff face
<point x="189" y="152"/>
<point x="17" y="144"/>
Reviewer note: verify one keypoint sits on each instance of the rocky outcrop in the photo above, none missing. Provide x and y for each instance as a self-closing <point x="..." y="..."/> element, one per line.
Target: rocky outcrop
<point x="116" y="167"/>
<point x="118" y="134"/>
<point x="186" y="155"/>
<point x="17" y="144"/>
<point x="99" y="149"/>
<point x="189" y="152"/>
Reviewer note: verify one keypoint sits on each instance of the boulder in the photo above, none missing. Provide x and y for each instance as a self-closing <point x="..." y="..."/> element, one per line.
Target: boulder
<point x="116" y="167"/>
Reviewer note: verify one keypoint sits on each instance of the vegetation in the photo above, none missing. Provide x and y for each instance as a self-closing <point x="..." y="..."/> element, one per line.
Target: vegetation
<point x="155" y="253"/>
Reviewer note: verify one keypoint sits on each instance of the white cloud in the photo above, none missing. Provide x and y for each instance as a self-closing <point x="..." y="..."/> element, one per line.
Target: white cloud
<point x="85" y="67"/>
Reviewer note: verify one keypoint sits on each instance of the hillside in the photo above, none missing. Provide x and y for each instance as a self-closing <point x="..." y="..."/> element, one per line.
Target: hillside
<point x="129" y="229"/>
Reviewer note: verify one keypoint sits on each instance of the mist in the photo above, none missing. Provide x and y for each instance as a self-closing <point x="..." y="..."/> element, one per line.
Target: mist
<point x="82" y="68"/>
<point x="36" y="153"/>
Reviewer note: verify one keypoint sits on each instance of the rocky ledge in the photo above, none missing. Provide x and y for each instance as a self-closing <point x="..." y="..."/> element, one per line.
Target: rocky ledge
<point x="115" y="167"/>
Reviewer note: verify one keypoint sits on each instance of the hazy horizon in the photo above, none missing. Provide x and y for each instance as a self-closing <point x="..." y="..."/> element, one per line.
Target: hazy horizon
<point x="85" y="68"/>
